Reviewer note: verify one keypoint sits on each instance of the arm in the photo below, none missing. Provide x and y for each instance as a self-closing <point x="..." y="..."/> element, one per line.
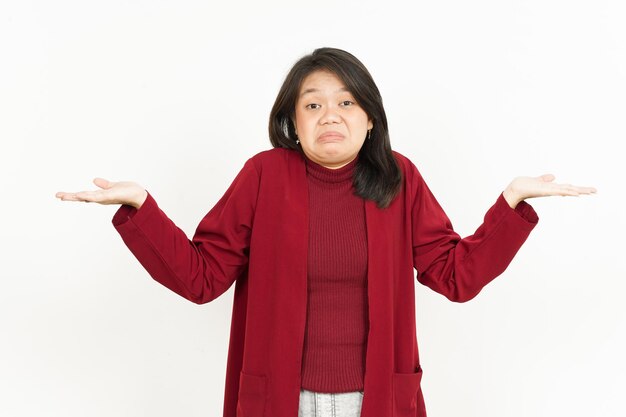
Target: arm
<point x="203" y="268"/>
<point x="459" y="267"/>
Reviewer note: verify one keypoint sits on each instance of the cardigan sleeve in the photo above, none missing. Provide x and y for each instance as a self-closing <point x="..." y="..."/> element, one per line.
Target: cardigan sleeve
<point x="456" y="267"/>
<point x="203" y="268"/>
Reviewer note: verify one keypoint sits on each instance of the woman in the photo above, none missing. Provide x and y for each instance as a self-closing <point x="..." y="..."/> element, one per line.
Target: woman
<point x="321" y="235"/>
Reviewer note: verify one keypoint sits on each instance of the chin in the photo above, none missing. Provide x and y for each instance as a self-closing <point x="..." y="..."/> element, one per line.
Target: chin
<point x="332" y="149"/>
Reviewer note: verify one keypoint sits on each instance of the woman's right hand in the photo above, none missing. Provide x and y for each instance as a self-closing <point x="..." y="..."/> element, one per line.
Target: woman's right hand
<point x="123" y="192"/>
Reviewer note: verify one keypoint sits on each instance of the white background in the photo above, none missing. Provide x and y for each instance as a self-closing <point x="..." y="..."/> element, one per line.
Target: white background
<point x="175" y="95"/>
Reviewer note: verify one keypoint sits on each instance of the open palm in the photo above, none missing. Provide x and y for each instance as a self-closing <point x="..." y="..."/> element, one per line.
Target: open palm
<point x="122" y="192"/>
<point x="542" y="186"/>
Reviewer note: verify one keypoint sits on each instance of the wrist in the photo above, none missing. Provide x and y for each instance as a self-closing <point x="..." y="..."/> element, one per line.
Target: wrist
<point x="140" y="200"/>
<point x="511" y="197"/>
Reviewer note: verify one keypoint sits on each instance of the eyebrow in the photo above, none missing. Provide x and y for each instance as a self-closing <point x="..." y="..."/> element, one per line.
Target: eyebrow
<point x="315" y="90"/>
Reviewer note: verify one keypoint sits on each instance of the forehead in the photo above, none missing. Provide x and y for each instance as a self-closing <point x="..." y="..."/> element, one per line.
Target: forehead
<point x="322" y="81"/>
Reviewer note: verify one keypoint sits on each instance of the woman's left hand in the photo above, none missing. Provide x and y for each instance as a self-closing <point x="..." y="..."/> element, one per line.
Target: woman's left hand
<point x="522" y="188"/>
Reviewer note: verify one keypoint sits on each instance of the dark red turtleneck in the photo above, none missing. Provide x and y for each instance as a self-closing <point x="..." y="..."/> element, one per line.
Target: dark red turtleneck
<point x="337" y="312"/>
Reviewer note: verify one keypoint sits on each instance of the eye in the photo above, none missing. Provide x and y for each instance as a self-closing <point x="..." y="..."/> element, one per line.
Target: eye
<point x="312" y="106"/>
<point x="347" y="103"/>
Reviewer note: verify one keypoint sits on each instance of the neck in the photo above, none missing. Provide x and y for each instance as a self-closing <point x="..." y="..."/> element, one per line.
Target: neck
<point x="340" y="173"/>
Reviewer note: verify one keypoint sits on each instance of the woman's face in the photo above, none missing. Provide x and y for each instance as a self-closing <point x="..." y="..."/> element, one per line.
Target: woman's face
<point x="330" y="124"/>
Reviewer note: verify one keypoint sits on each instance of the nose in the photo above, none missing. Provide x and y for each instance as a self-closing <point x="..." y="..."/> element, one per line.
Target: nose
<point x="330" y="115"/>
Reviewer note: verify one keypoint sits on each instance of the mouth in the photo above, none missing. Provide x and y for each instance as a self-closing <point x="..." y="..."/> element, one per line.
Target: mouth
<point x="330" y="136"/>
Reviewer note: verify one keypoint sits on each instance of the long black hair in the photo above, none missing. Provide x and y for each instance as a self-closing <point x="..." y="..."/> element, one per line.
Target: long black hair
<point x="377" y="176"/>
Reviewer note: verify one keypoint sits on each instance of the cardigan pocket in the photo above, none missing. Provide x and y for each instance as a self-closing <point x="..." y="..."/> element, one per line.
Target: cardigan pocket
<point x="407" y="395"/>
<point x="252" y="395"/>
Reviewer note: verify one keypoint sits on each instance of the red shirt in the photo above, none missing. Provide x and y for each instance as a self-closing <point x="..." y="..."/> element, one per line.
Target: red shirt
<point x="256" y="236"/>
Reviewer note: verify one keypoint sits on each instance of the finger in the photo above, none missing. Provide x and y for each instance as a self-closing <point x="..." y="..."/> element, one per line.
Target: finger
<point x="90" y="196"/>
<point x="64" y="196"/>
<point x="559" y="189"/>
<point x="573" y="190"/>
<point x="68" y="197"/>
<point x="547" y="177"/>
<point x="569" y="189"/>
<point x="586" y="190"/>
<point x="102" y="183"/>
<point x="578" y="189"/>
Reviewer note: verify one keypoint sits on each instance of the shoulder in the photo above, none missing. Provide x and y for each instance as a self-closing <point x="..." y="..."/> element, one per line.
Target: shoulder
<point x="275" y="163"/>
<point x="274" y="156"/>
<point x="408" y="168"/>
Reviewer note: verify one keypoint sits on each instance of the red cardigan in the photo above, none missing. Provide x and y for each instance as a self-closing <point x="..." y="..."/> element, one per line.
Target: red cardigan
<point x="256" y="235"/>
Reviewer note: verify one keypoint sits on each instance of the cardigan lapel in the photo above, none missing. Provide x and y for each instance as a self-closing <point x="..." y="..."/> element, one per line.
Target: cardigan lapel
<point x="379" y="356"/>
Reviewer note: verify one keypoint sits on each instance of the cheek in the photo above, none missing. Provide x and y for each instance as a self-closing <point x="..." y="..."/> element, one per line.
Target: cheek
<point x="305" y="124"/>
<point x="362" y="121"/>
<point x="361" y="127"/>
<point x="300" y="120"/>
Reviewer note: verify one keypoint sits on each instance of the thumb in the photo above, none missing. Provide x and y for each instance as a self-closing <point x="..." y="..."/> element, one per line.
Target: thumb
<point x="547" y="177"/>
<point x="102" y="183"/>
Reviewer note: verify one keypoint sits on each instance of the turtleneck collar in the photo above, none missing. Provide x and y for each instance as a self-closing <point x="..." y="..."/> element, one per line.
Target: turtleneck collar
<point x="322" y="173"/>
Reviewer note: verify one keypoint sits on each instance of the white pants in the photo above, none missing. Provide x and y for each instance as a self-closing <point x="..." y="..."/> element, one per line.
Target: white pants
<point x="320" y="404"/>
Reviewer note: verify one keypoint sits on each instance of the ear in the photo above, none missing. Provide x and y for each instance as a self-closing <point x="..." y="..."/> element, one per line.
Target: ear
<point x="370" y="124"/>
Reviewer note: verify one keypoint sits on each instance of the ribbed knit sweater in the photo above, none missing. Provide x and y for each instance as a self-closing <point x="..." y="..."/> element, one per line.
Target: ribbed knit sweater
<point x="337" y="312"/>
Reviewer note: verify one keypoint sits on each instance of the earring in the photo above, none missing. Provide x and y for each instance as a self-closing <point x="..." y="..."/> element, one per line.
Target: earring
<point x="297" y="141"/>
<point x="369" y="133"/>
